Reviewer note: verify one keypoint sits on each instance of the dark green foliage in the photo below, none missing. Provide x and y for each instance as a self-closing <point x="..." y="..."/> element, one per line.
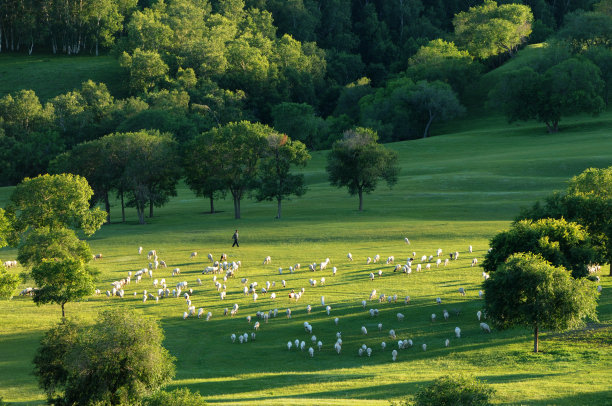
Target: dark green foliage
<point x="358" y="162"/>
<point x="455" y="391"/>
<point x="528" y="291"/>
<point x="44" y="243"/>
<point x="177" y="397"/>
<point x="571" y="87"/>
<point x="118" y="360"/>
<point x="585" y="29"/>
<point x="563" y="244"/>
<point x="299" y="122"/>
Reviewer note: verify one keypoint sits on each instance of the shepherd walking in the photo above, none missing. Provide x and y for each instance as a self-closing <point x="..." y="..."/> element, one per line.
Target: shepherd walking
<point x="235" y="237"/>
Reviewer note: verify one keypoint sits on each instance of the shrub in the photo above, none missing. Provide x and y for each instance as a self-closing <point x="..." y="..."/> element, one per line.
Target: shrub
<point x="456" y="391"/>
<point x="177" y="397"/>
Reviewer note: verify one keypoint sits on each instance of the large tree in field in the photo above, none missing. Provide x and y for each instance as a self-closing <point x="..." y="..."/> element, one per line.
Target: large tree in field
<point x="571" y="87"/>
<point x="241" y="145"/>
<point x="358" y="162"/>
<point x="62" y="280"/>
<point x="528" y="291"/>
<point x="55" y="201"/>
<point x="203" y="168"/>
<point x="275" y="181"/>
<point x="118" y="360"/>
<point x="562" y="243"/>
<point x="489" y="30"/>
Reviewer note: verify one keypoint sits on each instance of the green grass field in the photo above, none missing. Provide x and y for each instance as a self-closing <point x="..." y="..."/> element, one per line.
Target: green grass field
<point x="455" y="190"/>
<point x="52" y="75"/>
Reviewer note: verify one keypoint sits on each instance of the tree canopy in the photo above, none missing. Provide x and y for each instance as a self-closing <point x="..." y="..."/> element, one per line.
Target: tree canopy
<point x="530" y="292"/>
<point x="55" y="201"/>
<point x="118" y="360"/>
<point x="563" y="243"/>
<point x="358" y="162"/>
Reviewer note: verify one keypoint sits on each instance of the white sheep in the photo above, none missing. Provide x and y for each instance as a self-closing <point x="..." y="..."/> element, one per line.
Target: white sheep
<point x="176" y="271"/>
<point x="485" y="276"/>
<point x="376" y="258"/>
<point x="328" y="309"/>
<point x="208" y="316"/>
<point x="438" y="300"/>
<point x="363" y="303"/>
<point x="373" y="295"/>
<point x="480" y="293"/>
<point x="185" y="315"/>
<point x="311" y="352"/>
<point x="418" y="268"/>
<point x="364" y="331"/>
<point x="369" y="351"/>
<point x="256" y="326"/>
<point x="433" y="317"/>
<point x="485" y="327"/>
<point x="400" y="317"/>
<point x="446" y="342"/>
<point x="151" y="254"/>
<point x="289" y="345"/>
<point x="445" y="313"/>
<point x="255" y="296"/>
<point x="462" y="291"/>
<point x="379" y="326"/>
<point x="407" y="240"/>
<point x="379" y="272"/>
<point x="438" y="262"/>
<point x="383" y="345"/>
<point x="599" y="288"/>
<point x="394" y="355"/>
<point x="392" y="334"/>
<point x="457" y="332"/>
<point x="390" y="259"/>
<point x="349" y="256"/>
<point x="407" y="300"/>
<point x="201" y="312"/>
<point x="320" y="345"/>
<point x="479" y="314"/>
<point x="470" y="249"/>
<point x="322" y="281"/>
<point x="283" y="283"/>
<point x="371" y="276"/>
<point x="424" y="346"/>
<point x="322" y="300"/>
<point x="273" y="295"/>
<point x="139" y="250"/>
<point x="336" y="320"/>
<point x="334" y="270"/>
<point x="280" y="271"/>
<point x="288" y="313"/>
<point x="360" y="352"/>
<point x="338" y="347"/>
<point x="368" y="260"/>
<point x="302" y="345"/>
<point x="267" y="260"/>
<point x="446" y="262"/>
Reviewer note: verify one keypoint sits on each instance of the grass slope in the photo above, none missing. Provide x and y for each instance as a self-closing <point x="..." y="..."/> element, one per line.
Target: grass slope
<point x="50" y="76"/>
<point x="454" y="190"/>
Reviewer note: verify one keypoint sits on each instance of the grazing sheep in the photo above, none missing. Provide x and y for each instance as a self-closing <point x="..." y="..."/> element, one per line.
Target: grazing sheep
<point x="368" y="260"/>
<point x="289" y="345"/>
<point x="280" y="271"/>
<point x="139" y="250"/>
<point x="283" y="283"/>
<point x="418" y="268"/>
<point x="312" y="267"/>
<point x="485" y="276"/>
<point x="176" y="271"/>
<point x="446" y="342"/>
<point x="369" y="351"/>
<point x="256" y="326"/>
<point x="185" y="315"/>
<point x="273" y="295"/>
<point x="364" y="331"/>
<point x="445" y="313"/>
<point x="288" y="313"/>
<point x="480" y="294"/>
<point x="328" y="309"/>
<point x="400" y="317"/>
<point x="311" y="352"/>
<point x="336" y="320"/>
<point x="438" y="300"/>
<point x="457" y="332"/>
<point x="394" y="355"/>
<point x="322" y="300"/>
<point x="379" y="326"/>
<point x="208" y="316"/>
<point x="474" y="261"/>
<point x="407" y="300"/>
<point x="376" y="258"/>
<point x="407" y="240"/>
<point x="255" y="296"/>
<point x="462" y="291"/>
<point x="371" y="276"/>
<point x="201" y="312"/>
<point x="438" y="262"/>
<point x="470" y="249"/>
<point x="338" y="347"/>
<point x="349" y="256"/>
<point x="424" y="346"/>
<point x="428" y="266"/>
<point x="193" y="254"/>
<point x="379" y="272"/>
<point x="302" y="345"/>
<point x="97" y="256"/>
<point x="373" y="294"/>
<point x="320" y="345"/>
<point x="433" y="317"/>
<point x="485" y="327"/>
<point x="479" y="314"/>
<point x="390" y="259"/>
<point x="599" y="288"/>
<point x="152" y="254"/>
<point x="267" y="260"/>
<point x="322" y="281"/>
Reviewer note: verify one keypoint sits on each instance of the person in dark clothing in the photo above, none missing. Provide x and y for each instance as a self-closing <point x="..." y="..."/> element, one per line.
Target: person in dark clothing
<point x="235" y="237"/>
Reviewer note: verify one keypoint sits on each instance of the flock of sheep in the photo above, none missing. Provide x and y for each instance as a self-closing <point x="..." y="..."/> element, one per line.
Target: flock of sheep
<point x="222" y="271"/>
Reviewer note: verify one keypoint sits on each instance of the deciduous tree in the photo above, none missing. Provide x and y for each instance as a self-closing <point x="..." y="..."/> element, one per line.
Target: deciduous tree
<point x="358" y="162"/>
<point x="530" y="292"/>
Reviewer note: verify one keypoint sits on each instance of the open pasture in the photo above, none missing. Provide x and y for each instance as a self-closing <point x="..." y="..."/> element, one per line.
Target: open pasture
<point x="454" y="191"/>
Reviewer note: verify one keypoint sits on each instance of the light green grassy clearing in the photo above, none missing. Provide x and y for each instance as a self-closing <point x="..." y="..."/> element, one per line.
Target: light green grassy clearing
<point x="454" y="190"/>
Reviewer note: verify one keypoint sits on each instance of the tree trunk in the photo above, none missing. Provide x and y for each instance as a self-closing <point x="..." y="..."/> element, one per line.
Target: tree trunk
<point x="107" y="207"/>
<point x="63" y="313"/>
<point x="236" y="208"/>
<point x="212" y="204"/>
<point x="552" y="127"/>
<point x="278" y="210"/>
<point x="140" y="208"/>
<point x="360" y="200"/>
<point x="151" y="208"/>
<point x="122" y="207"/>
<point x="535" y="338"/>
<point x="431" y="117"/>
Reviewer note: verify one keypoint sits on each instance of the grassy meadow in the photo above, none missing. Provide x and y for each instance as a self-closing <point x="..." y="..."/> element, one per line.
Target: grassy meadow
<point x="455" y="190"/>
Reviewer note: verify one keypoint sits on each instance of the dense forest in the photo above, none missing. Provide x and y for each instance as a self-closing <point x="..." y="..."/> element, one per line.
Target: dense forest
<point x="310" y="69"/>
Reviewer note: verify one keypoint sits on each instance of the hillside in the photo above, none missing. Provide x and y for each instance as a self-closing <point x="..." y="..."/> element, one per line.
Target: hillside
<point x="455" y="190"/>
